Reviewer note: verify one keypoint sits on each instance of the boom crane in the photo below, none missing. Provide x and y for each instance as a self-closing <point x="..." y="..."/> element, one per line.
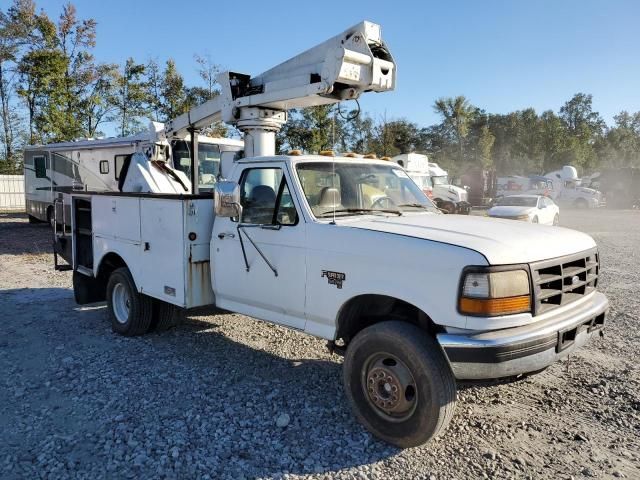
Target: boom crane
<point x="341" y="68"/>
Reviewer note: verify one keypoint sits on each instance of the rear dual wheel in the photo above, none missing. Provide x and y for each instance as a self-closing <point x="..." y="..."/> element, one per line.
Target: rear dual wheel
<point x="130" y="311"/>
<point x="133" y="313"/>
<point x="399" y="383"/>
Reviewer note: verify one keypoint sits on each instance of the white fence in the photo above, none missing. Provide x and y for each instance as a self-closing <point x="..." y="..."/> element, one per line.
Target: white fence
<point x="11" y="193"/>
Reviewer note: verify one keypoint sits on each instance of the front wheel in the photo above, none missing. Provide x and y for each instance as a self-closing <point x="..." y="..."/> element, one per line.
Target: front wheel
<point x="534" y="220"/>
<point x="130" y="312"/>
<point x="556" y="220"/>
<point x="399" y="383"/>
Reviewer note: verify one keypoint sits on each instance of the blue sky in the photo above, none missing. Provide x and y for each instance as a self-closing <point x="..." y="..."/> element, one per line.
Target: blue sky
<point x="502" y="55"/>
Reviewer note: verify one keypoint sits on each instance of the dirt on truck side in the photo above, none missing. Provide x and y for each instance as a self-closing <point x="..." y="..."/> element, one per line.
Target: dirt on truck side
<point x="224" y="396"/>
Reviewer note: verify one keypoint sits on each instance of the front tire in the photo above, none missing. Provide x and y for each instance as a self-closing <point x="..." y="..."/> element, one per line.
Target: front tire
<point x="130" y="312"/>
<point x="556" y="219"/>
<point x="534" y="220"/>
<point x="399" y="383"/>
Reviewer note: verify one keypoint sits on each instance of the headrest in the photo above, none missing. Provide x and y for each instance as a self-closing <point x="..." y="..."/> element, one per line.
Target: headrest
<point x="329" y="197"/>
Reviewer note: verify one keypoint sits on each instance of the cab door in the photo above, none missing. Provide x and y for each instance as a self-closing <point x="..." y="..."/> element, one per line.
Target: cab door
<point x="259" y="260"/>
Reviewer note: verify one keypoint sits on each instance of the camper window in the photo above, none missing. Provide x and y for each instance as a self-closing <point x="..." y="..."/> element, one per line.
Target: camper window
<point x="40" y="167"/>
<point x="104" y="167"/>
<point x="118" y="161"/>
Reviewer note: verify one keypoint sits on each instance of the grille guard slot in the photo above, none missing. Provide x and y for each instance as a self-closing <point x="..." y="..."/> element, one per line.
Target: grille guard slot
<point x="562" y="280"/>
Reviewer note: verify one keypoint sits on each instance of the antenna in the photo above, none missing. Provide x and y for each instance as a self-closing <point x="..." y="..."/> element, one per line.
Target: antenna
<point x="333" y="186"/>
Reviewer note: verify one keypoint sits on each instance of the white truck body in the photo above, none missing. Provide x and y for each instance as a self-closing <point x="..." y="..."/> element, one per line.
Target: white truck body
<point x="449" y="197"/>
<point x="569" y="193"/>
<point x="425" y="254"/>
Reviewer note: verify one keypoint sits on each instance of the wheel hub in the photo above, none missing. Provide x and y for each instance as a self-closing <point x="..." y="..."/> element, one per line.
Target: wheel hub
<point x="383" y="388"/>
<point x="390" y="387"/>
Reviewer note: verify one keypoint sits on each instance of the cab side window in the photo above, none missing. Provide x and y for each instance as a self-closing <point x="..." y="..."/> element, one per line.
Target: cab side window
<point x="266" y="198"/>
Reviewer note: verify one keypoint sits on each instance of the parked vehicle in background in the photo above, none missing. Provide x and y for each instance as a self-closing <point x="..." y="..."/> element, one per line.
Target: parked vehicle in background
<point x="417" y="167"/>
<point x="620" y="187"/>
<point x="450" y="198"/>
<point x="527" y="208"/>
<point x="518" y="185"/>
<point x="482" y="186"/>
<point x="568" y="192"/>
<point x="53" y="171"/>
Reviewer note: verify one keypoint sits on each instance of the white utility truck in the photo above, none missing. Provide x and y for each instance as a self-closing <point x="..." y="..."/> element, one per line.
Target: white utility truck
<point x="569" y="193"/>
<point x="349" y="250"/>
<point x="450" y="198"/>
<point x="53" y="171"/>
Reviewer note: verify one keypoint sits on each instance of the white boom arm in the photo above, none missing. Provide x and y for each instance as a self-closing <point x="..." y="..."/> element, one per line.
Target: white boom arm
<point x="340" y="68"/>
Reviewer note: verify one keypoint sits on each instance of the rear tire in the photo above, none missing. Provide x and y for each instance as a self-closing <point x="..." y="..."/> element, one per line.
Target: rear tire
<point x="399" y="383"/>
<point x="130" y="312"/>
<point x="165" y="316"/>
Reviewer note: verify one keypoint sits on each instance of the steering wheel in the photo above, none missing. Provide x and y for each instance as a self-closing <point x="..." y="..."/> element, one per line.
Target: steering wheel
<point x="383" y="202"/>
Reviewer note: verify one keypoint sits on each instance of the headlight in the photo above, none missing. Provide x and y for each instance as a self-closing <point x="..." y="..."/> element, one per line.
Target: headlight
<point x="489" y="294"/>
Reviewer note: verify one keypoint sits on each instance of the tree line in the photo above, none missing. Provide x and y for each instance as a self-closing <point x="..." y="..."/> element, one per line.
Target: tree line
<point x="53" y="89"/>
<point x="520" y="142"/>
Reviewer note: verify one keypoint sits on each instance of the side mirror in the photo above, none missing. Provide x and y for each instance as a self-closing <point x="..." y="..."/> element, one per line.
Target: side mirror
<point x="226" y="199"/>
<point x="227" y="160"/>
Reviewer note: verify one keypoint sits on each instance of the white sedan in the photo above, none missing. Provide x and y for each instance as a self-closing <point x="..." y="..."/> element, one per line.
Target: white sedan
<point x="528" y="208"/>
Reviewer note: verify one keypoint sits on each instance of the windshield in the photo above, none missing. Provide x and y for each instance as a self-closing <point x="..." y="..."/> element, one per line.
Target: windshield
<point x="359" y="188"/>
<point x="423" y="181"/>
<point x="208" y="157"/>
<point x="518" y="202"/>
<point x="441" y="180"/>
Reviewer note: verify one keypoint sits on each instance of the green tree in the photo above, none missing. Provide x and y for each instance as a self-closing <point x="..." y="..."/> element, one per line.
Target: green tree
<point x="456" y="113"/>
<point x="130" y="97"/>
<point x="17" y="25"/>
<point x="173" y="94"/>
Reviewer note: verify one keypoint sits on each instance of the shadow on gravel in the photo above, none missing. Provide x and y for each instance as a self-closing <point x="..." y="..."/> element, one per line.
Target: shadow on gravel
<point x="234" y="405"/>
<point x="18" y="236"/>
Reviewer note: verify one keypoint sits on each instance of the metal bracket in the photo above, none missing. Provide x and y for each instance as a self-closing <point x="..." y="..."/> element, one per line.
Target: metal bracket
<point x="244" y="253"/>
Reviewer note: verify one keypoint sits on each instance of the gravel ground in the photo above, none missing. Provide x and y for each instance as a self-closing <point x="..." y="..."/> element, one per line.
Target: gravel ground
<point x="224" y="396"/>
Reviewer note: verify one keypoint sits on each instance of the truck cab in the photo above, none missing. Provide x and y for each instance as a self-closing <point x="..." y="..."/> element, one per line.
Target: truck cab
<point x="435" y="183"/>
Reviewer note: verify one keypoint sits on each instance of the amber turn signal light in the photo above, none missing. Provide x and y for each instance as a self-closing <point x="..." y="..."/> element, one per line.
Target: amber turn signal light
<point x="495" y="306"/>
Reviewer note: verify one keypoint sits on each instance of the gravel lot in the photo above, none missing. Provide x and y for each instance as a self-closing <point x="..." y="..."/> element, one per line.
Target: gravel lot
<point x="224" y="396"/>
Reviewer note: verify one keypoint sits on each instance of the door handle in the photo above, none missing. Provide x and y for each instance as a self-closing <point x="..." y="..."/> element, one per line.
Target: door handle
<point x="226" y="234"/>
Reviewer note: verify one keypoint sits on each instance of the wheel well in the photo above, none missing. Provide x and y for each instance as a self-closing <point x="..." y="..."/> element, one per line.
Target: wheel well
<point x="365" y="310"/>
<point x="110" y="262"/>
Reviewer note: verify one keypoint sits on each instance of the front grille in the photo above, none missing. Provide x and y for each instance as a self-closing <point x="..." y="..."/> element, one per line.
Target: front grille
<point x="564" y="280"/>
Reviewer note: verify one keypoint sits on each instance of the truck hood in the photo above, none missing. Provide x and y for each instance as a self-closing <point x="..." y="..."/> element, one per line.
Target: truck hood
<point x="501" y="242"/>
<point x="450" y="192"/>
<point x="510" y="211"/>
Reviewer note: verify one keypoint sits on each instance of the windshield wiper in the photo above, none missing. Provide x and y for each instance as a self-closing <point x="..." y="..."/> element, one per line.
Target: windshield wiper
<point x="417" y="205"/>
<point x="363" y="211"/>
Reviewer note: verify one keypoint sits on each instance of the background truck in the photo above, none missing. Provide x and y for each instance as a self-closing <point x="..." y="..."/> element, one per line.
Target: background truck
<point x="567" y="191"/>
<point x="53" y="171"/>
<point x="449" y="198"/>
<point x="349" y="250"/>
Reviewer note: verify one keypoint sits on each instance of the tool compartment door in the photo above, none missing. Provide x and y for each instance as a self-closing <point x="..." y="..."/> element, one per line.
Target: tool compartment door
<point x="162" y="249"/>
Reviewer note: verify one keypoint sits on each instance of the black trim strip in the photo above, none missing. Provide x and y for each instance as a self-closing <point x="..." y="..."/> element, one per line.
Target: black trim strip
<point x="502" y="353"/>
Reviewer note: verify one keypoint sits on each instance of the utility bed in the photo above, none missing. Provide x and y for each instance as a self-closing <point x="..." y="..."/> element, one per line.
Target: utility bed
<point x="144" y="226"/>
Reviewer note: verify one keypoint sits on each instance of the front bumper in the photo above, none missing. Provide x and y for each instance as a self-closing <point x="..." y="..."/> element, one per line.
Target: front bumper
<point x="517" y="350"/>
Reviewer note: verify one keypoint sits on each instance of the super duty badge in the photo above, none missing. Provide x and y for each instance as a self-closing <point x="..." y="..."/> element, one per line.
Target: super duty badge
<point x="334" y="278"/>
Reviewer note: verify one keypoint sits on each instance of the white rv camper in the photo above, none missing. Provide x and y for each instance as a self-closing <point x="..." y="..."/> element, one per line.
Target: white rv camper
<point x="55" y="170"/>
